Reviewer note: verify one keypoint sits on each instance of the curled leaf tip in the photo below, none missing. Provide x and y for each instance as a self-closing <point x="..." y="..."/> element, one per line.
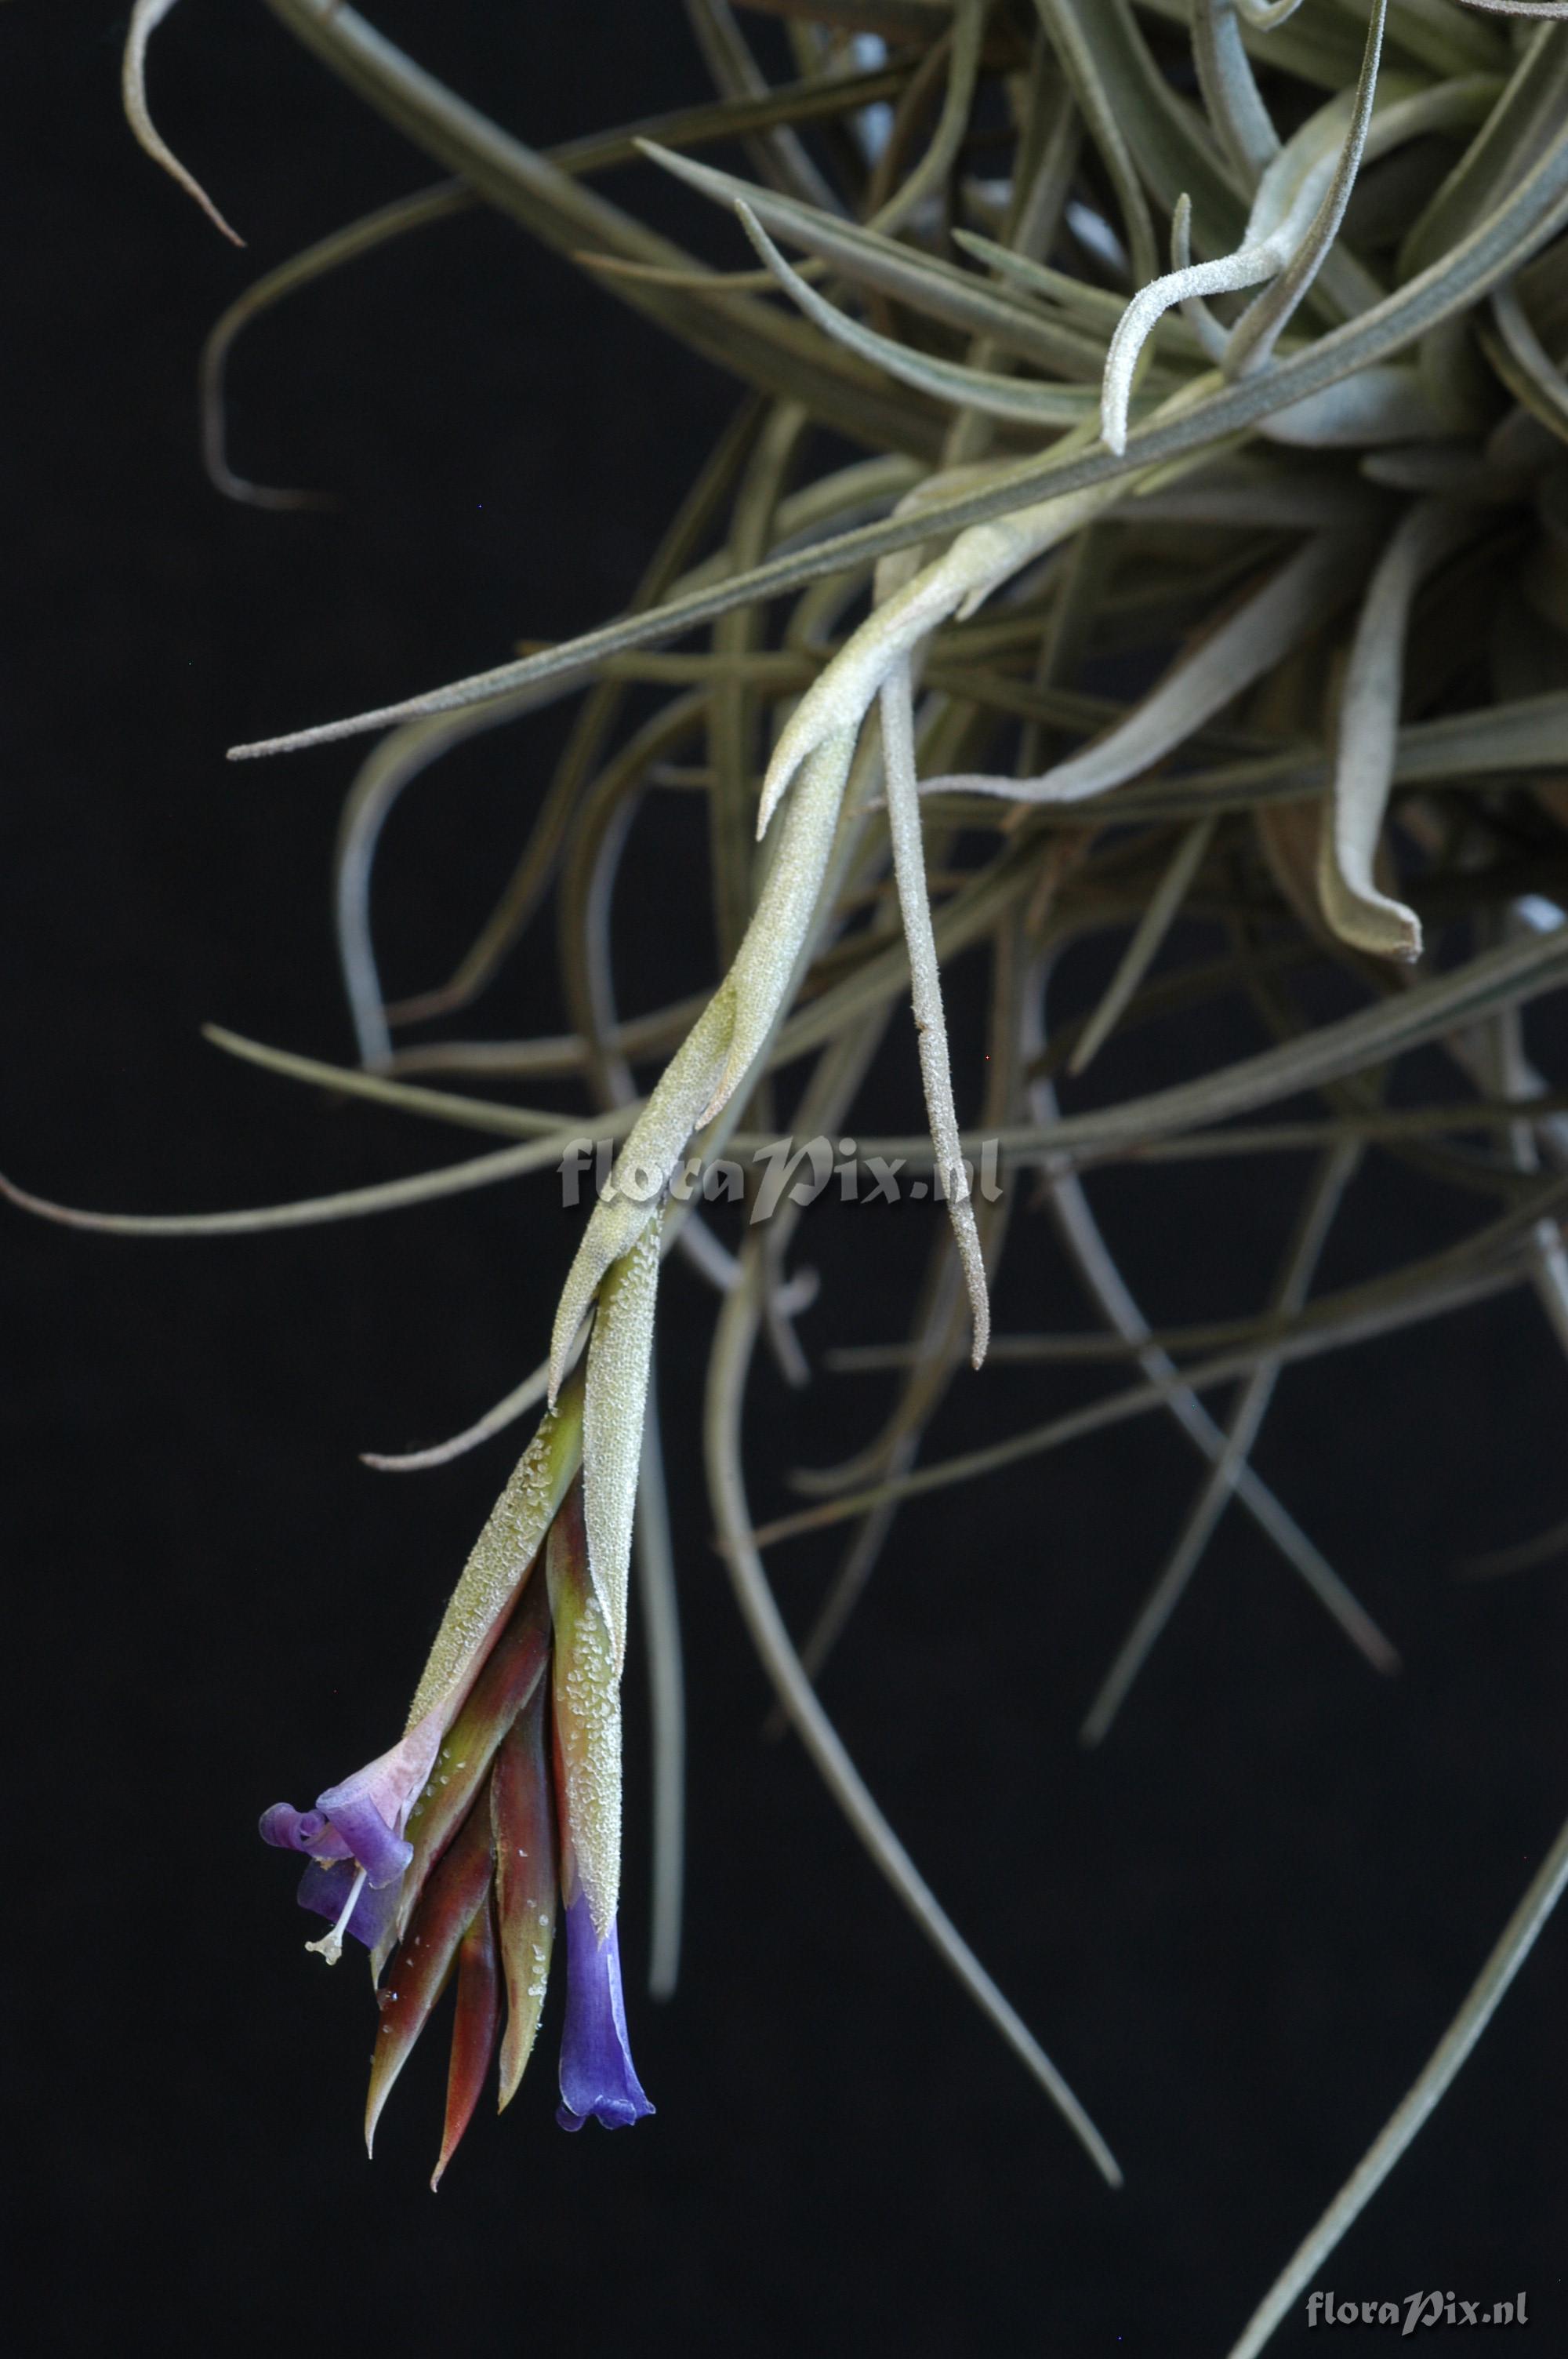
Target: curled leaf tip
<point x="146" y="18"/>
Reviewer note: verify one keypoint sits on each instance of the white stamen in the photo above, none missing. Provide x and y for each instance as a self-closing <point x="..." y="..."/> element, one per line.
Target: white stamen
<point x="330" y="1945"/>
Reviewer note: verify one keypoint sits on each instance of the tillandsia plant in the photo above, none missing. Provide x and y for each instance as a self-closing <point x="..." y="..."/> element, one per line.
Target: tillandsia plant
<point x="1204" y="554"/>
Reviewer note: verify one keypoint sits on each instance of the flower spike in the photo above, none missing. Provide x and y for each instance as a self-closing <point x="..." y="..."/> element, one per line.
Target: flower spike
<point x="441" y="1856"/>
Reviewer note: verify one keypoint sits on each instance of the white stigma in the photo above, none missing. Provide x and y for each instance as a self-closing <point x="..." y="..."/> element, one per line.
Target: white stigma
<point x="330" y="1945"/>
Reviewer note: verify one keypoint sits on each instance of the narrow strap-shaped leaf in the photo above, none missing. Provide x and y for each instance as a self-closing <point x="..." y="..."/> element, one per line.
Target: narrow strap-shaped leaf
<point x="968" y="25"/>
<point x="506" y="1412"/>
<point x="1367" y="734"/>
<point x="773" y="349"/>
<point x="395" y="220"/>
<point x="1255" y="335"/>
<point x="1499" y="246"/>
<point x="1107" y="1289"/>
<point x="1448" y="1282"/>
<point x="391" y="769"/>
<point x="994" y="395"/>
<point x="930" y="1025"/>
<point x="928" y="285"/>
<point x="1171" y="147"/>
<point x="1404" y="1020"/>
<point x="1520" y="124"/>
<point x="735" y="70"/>
<point x="1230" y="91"/>
<point x="377" y="1089"/>
<point x="1523" y="362"/>
<point x="1071" y="32"/>
<point x="1142" y="947"/>
<point x="146" y="18"/>
<point x="1515" y="1944"/>
<point x="385" y="1196"/>
<point x="1245" y="1422"/>
<point x="1306" y="590"/>
<point x="733" y="1346"/>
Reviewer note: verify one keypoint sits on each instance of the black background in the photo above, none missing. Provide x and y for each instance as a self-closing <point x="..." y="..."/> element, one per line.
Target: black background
<point x="1239" y="1930"/>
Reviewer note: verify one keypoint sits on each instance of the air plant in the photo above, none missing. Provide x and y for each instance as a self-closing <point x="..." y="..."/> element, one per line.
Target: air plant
<point x="1202" y="361"/>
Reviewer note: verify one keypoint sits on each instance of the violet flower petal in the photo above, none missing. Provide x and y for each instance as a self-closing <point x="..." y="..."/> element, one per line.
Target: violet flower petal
<point x="324" y="1889"/>
<point x="598" y="2076"/>
<point x="381" y="1850"/>
<point x="305" y="1830"/>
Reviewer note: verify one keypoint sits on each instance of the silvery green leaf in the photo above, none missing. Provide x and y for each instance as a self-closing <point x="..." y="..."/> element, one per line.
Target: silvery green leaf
<point x="1368" y="734"/>
<point x="1305" y="245"/>
<point x="1300" y="201"/>
<point x="1523" y="123"/>
<point x="767" y="960"/>
<point x="926" y="283"/>
<point x="727" y="1366"/>
<point x="1389" y="402"/>
<point x="1073" y="29"/>
<point x="930" y="1024"/>
<point x="1544" y="11"/>
<point x="1522" y="223"/>
<point x="329" y="254"/>
<point x="1514" y="1945"/>
<point x="1337" y="1169"/>
<point x="992" y="395"/>
<point x="1160" y="913"/>
<point x="636" y="1187"/>
<point x="1120" y="86"/>
<point x="1311" y="586"/>
<point x="1103" y="1281"/>
<point x="503" y="1554"/>
<point x="615" y="1392"/>
<point x="1319" y="49"/>
<point x="774" y="349"/>
<point x="1524" y="364"/>
<point x="1230" y="91"/>
<point x="931" y="173"/>
<point x="978" y="561"/>
<point x="146" y="18"/>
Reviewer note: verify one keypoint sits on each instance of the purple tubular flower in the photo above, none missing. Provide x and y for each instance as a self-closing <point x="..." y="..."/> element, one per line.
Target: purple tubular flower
<point x="381" y="1851"/>
<point x="345" y="1824"/>
<point x="307" y="1831"/>
<point x="357" y="1859"/>
<point x="598" y="2076"/>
